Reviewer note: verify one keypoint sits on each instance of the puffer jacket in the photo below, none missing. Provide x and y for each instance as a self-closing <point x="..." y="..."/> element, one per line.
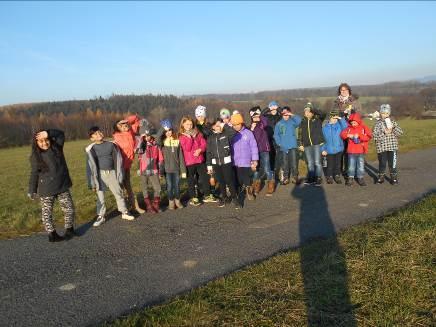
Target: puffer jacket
<point x="244" y="148"/>
<point x="174" y="162"/>
<point x="191" y="143"/>
<point x="284" y="133"/>
<point x="261" y="135"/>
<point x="363" y="132"/>
<point x="56" y="179"/>
<point x="151" y="161"/>
<point x="332" y="135"/>
<point x="218" y="147"/>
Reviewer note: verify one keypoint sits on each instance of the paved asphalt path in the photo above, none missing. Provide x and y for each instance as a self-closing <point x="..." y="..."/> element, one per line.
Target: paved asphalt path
<point x="122" y="265"/>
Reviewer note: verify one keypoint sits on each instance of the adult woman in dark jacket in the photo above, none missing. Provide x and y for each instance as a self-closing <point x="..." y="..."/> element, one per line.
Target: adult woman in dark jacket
<point x="50" y="180"/>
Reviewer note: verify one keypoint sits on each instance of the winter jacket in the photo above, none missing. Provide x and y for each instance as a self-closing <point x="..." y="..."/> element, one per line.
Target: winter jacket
<point x="383" y="141"/>
<point x="244" y="148"/>
<point x="363" y="132"/>
<point x="284" y="133"/>
<point x="127" y="141"/>
<point x="272" y="121"/>
<point x="204" y="129"/>
<point x="189" y="144"/>
<point x="93" y="171"/>
<point x="342" y="106"/>
<point x="56" y="179"/>
<point x="218" y="147"/>
<point x="172" y="153"/>
<point x="151" y="160"/>
<point x="332" y="136"/>
<point x="261" y="135"/>
<point x="310" y="130"/>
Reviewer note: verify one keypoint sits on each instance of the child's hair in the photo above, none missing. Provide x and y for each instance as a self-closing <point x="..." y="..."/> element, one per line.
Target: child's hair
<point x="185" y="119"/>
<point x="92" y="130"/>
<point x="36" y="153"/>
<point x="115" y="127"/>
<point x="215" y="120"/>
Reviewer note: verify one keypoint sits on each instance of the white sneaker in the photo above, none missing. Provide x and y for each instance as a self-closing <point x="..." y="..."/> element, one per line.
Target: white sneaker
<point x="100" y="220"/>
<point x="127" y="216"/>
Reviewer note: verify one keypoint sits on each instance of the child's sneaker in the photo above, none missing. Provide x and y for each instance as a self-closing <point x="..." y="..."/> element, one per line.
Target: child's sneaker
<point x="127" y="216"/>
<point x="209" y="199"/>
<point x="221" y="203"/>
<point x="236" y="204"/>
<point x="171" y="205"/>
<point x="100" y="220"/>
<point x="329" y="180"/>
<point x="381" y="179"/>
<point x="308" y="181"/>
<point x="195" y="202"/>
<point x="349" y="181"/>
<point x="338" y="179"/>
<point x="394" y="179"/>
<point x="318" y="181"/>
<point x="178" y="204"/>
<point x="361" y="182"/>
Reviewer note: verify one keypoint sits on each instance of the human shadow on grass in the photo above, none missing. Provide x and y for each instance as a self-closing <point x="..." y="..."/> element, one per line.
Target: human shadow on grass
<point x="323" y="263"/>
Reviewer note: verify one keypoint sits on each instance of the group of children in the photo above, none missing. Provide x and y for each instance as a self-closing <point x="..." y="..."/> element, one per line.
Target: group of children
<point x="239" y="156"/>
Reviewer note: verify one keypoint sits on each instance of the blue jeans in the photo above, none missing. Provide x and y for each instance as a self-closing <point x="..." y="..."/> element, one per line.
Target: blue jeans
<point x="290" y="163"/>
<point x="173" y="185"/>
<point x="313" y="158"/>
<point x="264" y="167"/>
<point x="356" y="165"/>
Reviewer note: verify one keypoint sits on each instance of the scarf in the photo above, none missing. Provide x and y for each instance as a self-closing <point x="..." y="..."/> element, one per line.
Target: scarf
<point x="343" y="99"/>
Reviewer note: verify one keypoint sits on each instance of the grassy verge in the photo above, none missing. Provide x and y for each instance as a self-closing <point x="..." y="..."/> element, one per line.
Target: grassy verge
<point x="376" y="274"/>
<point x="20" y="216"/>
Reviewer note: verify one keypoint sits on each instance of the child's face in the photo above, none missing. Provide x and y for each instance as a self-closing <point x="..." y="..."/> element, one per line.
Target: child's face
<point x="286" y="117"/>
<point x="169" y="133"/>
<point x="43" y="143"/>
<point x="237" y="127"/>
<point x="354" y="123"/>
<point x="97" y="137"/>
<point x="333" y="120"/>
<point x="308" y="114"/>
<point x="123" y="127"/>
<point x="217" y="127"/>
<point x="148" y="138"/>
<point x="187" y="125"/>
<point x="256" y="118"/>
<point x="384" y="115"/>
<point x="200" y="119"/>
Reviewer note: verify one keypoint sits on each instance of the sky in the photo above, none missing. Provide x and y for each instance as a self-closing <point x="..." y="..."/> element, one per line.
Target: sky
<point x="80" y="50"/>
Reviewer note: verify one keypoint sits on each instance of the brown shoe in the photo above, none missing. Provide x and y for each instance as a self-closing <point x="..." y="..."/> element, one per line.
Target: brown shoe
<point x="270" y="187"/>
<point x="256" y="187"/>
<point x="249" y="191"/>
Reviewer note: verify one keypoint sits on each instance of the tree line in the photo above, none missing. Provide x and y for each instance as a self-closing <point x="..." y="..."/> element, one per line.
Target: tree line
<point x="18" y="123"/>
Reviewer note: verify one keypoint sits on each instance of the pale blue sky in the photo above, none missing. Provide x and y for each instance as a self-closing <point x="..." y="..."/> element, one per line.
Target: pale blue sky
<point x="64" y="50"/>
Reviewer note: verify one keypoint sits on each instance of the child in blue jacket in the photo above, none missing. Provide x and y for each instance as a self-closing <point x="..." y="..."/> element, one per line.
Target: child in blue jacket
<point x="333" y="146"/>
<point x="286" y="139"/>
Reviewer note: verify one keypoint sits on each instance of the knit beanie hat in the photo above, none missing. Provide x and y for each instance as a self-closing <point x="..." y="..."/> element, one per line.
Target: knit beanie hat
<point x="225" y="113"/>
<point x="255" y="111"/>
<point x="166" y="123"/>
<point x="334" y="113"/>
<point x="273" y="104"/>
<point x="200" y="111"/>
<point x="237" y="119"/>
<point x="385" y="109"/>
<point x="146" y="127"/>
<point x="308" y="106"/>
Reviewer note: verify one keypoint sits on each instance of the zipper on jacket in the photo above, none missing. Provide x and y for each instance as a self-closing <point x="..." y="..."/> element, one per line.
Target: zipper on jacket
<point x="217" y="149"/>
<point x="308" y="131"/>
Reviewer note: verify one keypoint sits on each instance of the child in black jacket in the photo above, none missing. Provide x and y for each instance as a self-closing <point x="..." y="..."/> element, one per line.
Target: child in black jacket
<point x="219" y="160"/>
<point x="50" y="180"/>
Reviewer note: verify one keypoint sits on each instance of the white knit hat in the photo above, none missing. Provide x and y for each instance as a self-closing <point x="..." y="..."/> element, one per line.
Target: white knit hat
<point x="200" y="111"/>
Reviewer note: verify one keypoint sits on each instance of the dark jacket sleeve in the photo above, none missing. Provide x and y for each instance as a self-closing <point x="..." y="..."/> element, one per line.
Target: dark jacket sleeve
<point x="56" y="136"/>
<point x="34" y="175"/>
<point x="229" y="131"/>
<point x="209" y="152"/>
<point x="182" y="161"/>
<point x="159" y="135"/>
<point x="321" y="115"/>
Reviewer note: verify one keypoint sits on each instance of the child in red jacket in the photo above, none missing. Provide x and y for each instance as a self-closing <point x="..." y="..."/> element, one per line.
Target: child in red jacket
<point x="357" y="135"/>
<point x="151" y="166"/>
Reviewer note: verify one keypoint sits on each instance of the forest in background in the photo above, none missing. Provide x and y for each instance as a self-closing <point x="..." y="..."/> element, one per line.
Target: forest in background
<point x="19" y="122"/>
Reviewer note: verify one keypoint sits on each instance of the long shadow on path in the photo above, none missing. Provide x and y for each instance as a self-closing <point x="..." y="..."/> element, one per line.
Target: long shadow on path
<point x="323" y="265"/>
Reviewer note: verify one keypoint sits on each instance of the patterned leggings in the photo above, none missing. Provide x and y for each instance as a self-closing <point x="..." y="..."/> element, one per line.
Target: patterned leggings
<point x="67" y="206"/>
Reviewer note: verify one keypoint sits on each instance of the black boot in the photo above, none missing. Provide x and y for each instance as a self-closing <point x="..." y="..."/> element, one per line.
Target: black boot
<point x="381" y="178"/>
<point x="394" y="179"/>
<point x="54" y="237"/>
<point x="69" y="233"/>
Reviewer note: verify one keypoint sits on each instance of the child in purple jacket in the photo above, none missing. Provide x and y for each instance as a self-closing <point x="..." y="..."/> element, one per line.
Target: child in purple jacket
<point x="245" y="154"/>
<point x="258" y="127"/>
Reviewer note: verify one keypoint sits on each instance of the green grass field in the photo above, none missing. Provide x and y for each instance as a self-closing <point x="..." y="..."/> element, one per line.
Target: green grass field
<point x="389" y="269"/>
<point x="20" y="216"/>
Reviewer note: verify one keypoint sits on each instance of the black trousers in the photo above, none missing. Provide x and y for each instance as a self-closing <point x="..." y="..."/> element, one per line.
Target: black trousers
<point x="225" y="176"/>
<point x="244" y="176"/>
<point x="334" y="162"/>
<point x="389" y="157"/>
<point x="197" y="175"/>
